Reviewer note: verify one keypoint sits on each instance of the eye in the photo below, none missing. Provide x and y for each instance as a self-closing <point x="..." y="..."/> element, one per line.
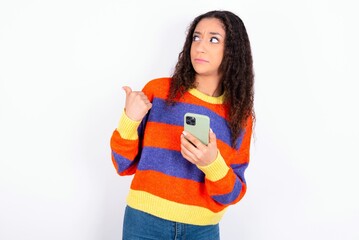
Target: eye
<point x="195" y="38"/>
<point x="214" y="40"/>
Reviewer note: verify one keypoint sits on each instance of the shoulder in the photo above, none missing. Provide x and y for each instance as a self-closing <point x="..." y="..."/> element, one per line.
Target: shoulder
<point x="158" y="82"/>
<point x="157" y="87"/>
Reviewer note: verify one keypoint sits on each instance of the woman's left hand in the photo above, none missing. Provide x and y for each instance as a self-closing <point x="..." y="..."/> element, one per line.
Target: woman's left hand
<point x="198" y="153"/>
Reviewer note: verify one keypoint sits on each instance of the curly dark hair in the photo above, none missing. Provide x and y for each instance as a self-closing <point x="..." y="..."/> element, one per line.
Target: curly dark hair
<point x="236" y="70"/>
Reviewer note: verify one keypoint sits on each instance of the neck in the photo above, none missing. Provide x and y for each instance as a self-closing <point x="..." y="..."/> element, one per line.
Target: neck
<point x="209" y="85"/>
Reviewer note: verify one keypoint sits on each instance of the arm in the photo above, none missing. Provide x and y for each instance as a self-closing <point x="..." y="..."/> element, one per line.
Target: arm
<point x="125" y="146"/>
<point x="224" y="178"/>
<point x="125" y="141"/>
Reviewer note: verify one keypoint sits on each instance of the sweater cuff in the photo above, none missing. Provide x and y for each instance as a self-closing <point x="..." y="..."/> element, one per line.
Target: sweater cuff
<point x="216" y="170"/>
<point x="128" y="127"/>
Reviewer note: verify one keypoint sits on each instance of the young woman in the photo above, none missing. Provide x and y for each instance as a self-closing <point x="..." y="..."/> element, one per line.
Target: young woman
<point x="182" y="187"/>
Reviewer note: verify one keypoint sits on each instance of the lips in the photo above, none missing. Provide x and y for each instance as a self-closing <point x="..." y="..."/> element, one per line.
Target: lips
<point x="200" y="60"/>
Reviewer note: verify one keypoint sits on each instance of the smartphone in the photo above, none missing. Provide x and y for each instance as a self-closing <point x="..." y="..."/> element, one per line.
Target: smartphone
<point x="198" y="125"/>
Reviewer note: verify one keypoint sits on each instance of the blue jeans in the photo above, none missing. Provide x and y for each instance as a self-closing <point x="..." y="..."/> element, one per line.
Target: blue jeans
<point x="138" y="225"/>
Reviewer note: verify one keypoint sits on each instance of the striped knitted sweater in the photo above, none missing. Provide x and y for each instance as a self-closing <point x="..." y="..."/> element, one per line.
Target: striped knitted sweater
<point x="167" y="185"/>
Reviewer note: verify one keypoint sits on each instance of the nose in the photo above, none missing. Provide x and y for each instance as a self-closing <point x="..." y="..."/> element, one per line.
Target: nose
<point x="201" y="46"/>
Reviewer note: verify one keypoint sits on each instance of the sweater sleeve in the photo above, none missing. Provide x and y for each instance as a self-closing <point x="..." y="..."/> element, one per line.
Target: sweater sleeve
<point x="126" y="141"/>
<point x="125" y="146"/>
<point x="224" y="180"/>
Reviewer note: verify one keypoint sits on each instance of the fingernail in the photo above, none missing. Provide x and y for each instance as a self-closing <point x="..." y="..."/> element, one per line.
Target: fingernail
<point x="184" y="133"/>
<point x="211" y="130"/>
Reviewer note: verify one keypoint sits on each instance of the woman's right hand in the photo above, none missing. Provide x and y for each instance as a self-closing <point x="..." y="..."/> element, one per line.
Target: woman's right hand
<point x="137" y="104"/>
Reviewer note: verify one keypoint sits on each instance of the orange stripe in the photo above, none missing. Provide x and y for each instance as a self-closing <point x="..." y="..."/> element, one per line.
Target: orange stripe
<point x="167" y="187"/>
<point x="217" y="108"/>
<point x="222" y="186"/>
<point x="241" y="156"/>
<point x="160" y="86"/>
<point x="230" y="155"/>
<point x="125" y="148"/>
<point x="163" y="135"/>
<point x="246" y="142"/>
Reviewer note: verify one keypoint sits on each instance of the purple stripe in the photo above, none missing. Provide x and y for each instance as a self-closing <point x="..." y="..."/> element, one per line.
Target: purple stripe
<point x="169" y="162"/>
<point x="239" y="170"/>
<point x="229" y="197"/>
<point x="122" y="162"/>
<point x="173" y="115"/>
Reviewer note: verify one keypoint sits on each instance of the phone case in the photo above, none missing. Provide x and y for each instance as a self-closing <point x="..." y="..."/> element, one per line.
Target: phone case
<point x="199" y="127"/>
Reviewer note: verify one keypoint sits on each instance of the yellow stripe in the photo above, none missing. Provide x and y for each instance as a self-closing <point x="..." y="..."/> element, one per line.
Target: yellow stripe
<point x="206" y="98"/>
<point x="172" y="211"/>
<point x="216" y="170"/>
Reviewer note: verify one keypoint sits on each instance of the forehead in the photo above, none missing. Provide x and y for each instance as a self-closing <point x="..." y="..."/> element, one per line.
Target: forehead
<point x="210" y="25"/>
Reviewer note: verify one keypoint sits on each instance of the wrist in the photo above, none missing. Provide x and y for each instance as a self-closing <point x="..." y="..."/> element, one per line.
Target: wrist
<point x="216" y="170"/>
<point x="127" y="127"/>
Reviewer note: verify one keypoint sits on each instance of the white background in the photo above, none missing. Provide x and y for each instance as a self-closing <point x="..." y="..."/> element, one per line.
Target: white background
<point x="62" y="66"/>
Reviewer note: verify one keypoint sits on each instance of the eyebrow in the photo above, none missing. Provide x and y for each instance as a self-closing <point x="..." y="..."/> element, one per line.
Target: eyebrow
<point x="212" y="33"/>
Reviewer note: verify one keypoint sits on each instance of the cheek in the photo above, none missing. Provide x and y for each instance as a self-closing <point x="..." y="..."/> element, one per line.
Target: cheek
<point x="220" y="56"/>
<point x="192" y="55"/>
<point x="191" y="52"/>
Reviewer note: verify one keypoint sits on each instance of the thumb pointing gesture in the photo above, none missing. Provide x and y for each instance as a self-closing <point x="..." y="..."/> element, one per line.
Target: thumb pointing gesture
<point x="127" y="89"/>
<point x="137" y="104"/>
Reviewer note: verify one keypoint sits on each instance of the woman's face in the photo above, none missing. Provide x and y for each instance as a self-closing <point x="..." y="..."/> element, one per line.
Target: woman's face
<point x="207" y="47"/>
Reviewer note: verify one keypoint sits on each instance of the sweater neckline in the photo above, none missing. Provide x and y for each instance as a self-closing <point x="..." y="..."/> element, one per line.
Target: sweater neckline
<point x="206" y="98"/>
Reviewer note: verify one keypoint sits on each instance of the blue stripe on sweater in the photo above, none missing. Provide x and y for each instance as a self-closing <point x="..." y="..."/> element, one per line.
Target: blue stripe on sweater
<point x="239" y="170"/>
<point x="173" y="115"/>
<point x="169" y="162"/>
<point x="122" y="162"/>
<point x="230" y="197"/>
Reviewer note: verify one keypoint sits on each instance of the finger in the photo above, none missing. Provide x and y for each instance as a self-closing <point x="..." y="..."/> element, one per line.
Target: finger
<point x="196" y="142"/>
<point x="149" y="106"/>
<point x="187" y="143"/>
<point x="186" y="153"/>
<point x="188" y="158"/>
<point x="147" y="103"/>
<point x="127" y="89"/>
<point x="191" y="151"/>
<point x="140" y="95"/>
<point x="212" y="136"/>
<point x="144" y="97"/>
